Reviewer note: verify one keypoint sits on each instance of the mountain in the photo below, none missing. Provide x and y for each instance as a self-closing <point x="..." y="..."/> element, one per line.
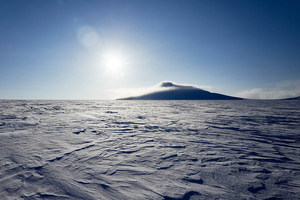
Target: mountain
<point x="173" y="91"/>
<point x="293" y="98"/>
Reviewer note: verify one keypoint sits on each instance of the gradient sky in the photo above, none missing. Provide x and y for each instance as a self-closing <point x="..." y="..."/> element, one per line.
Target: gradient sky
<point x="57" y="49"/>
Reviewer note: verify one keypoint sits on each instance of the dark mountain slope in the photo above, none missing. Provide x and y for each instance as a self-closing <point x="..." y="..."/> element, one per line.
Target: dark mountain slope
<point x="181" y="92"/>
<point x="293" y="98"/>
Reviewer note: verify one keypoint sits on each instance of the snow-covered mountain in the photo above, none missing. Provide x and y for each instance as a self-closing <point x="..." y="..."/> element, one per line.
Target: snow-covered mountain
<point x="180" y="92"/>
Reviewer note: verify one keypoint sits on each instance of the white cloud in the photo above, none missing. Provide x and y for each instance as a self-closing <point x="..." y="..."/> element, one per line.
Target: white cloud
<point x="280" y="90"/>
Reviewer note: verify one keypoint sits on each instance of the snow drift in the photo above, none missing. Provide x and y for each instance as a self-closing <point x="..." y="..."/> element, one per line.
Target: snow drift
<point x="162" y="150"/>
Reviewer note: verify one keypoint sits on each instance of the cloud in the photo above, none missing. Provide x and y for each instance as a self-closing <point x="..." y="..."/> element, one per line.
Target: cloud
<point x="260" y="93"/>
<point x="169" y="84"/>
<point x="285" y="89"/>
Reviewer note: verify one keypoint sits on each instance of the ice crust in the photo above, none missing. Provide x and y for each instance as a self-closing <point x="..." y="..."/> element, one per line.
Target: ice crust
<point x="149" y="149"/>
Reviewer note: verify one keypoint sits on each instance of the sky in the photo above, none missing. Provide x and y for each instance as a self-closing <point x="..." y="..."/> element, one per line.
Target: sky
<point x="105" y="49"/>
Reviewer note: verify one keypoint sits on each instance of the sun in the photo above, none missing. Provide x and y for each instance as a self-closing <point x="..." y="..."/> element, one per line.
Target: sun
<point x="114" y="61"/>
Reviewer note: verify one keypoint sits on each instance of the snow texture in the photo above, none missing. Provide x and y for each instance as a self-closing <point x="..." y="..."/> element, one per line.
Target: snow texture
<point x="149" y="150"/>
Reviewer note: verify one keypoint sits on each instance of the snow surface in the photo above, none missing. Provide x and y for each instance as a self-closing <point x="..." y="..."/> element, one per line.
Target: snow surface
<point x="149" y="150"/>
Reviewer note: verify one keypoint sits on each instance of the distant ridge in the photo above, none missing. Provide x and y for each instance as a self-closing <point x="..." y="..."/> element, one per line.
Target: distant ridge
<point x="293" y="98"/>
<point x="181" y="92"/>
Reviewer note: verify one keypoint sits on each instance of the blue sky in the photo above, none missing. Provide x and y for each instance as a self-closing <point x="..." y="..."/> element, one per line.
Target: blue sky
<point x="84" y="49"/>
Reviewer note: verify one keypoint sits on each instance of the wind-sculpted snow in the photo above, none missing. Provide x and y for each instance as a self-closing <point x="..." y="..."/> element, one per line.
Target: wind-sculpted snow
<point x="149" y="150"/>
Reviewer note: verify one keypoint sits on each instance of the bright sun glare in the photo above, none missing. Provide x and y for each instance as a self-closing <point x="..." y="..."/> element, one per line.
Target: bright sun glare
<point x="114" y="61"/>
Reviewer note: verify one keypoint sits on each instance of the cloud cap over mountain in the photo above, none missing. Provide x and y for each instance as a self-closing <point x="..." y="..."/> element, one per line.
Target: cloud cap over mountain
<point x="171" y="91"/>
